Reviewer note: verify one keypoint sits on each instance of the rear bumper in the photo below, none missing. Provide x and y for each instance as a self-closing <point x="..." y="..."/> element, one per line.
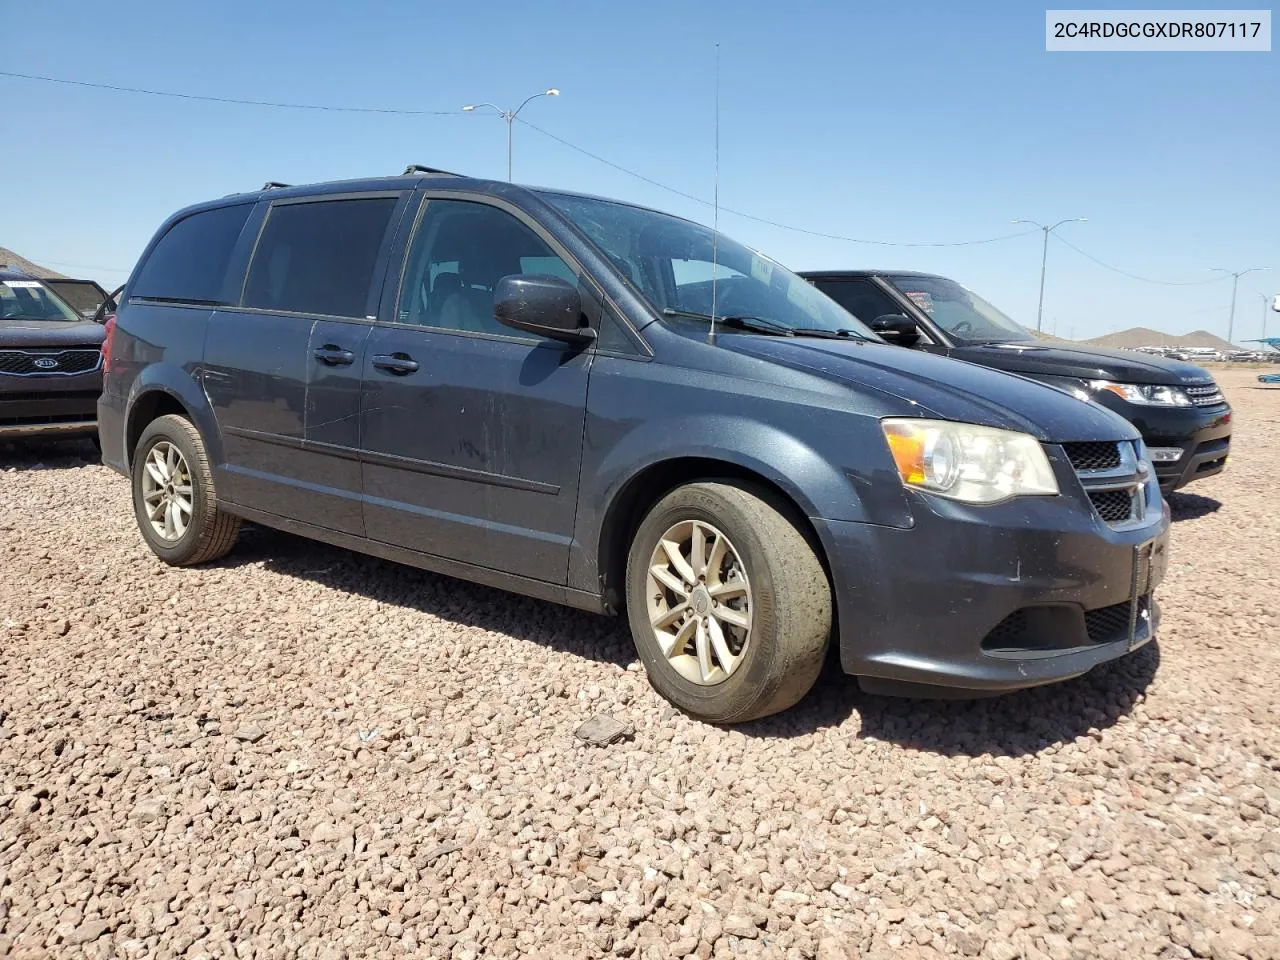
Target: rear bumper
<point x="111" y="434"/>
<point x="985" y="600"/>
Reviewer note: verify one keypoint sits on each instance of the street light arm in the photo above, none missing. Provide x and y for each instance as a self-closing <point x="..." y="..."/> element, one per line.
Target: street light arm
<point x="471" y="107"/>
<point x="516" y="112"/>
<point x="1068" y="220"/>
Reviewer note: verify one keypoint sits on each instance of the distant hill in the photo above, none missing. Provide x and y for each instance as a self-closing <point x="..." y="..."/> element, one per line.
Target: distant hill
<point x="1146" y="337"/>
<point x="9" y="258"/>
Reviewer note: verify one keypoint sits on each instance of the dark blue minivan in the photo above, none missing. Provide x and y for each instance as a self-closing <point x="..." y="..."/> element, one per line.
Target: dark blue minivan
<point x="527" y="388"/>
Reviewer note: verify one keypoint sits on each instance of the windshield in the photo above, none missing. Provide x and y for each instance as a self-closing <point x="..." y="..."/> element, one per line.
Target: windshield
<point x="670" y="262"/>
<point x="962" y="314"/>
<point x="31" y="300"/>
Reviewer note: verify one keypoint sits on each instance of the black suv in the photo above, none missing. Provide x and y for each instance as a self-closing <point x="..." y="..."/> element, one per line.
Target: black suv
<point x="50" y="362"/>
<point x="526" y="388"/>
<point x="1177" y="407"/>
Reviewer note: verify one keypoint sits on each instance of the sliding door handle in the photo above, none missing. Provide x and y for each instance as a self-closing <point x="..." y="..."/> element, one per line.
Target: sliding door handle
<point x="397" y="363"/>
<point x="334" y="355"/>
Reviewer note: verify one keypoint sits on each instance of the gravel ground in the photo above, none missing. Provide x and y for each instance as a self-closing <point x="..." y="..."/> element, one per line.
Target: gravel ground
<point x="304" y="752"/>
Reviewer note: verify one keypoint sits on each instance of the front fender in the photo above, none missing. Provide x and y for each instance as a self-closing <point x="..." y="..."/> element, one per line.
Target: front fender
<point x="815" y="484"/>
<point x="862" y="489"/>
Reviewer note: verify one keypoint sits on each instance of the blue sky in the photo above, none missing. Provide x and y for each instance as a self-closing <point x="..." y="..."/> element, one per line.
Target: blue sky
<point x="904" y="121"/>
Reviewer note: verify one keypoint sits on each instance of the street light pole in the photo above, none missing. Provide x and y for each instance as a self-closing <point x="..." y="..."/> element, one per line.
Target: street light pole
<point x="1044" y="257"/>
<point x="1235" y="280"/>
<point x="510" y="117"/>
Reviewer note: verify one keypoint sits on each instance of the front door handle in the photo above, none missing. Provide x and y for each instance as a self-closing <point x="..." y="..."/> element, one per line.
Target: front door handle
<point x="397" y="363"/>
<point x="334" y="355"/>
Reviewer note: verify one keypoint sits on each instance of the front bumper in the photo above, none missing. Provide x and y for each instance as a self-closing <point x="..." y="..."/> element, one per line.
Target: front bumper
<point x="49" y="406"/>
<point x="974" y="600"/>
<point x="1203" y="435"/>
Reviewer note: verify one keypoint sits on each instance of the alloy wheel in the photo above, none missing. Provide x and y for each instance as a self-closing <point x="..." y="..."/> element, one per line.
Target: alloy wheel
<point x="167" y="491"/>
<point x="699" y="602"/>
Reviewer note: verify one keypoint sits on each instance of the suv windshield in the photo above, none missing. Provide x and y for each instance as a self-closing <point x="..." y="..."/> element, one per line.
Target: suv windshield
<point x="962" y="314"/>
<point x="671" y="262"/>
<point x="32" y="300"/>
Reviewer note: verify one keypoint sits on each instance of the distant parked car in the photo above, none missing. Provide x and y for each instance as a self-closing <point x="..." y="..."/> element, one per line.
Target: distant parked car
<point x="50" y="362"/>
<point x="1181" y="413"/>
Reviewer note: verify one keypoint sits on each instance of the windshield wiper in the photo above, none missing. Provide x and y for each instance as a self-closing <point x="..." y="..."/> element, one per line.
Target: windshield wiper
<point x="754" y="324"/>
<point x="763" y="325"/>
<point x="840" y="334"/>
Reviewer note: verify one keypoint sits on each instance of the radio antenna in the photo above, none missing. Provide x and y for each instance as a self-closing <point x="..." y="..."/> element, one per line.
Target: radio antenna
<point x="715" y="223"/>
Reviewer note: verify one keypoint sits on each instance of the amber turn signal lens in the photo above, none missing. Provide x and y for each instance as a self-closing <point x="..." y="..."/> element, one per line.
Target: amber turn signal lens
<point x="908" y="453"/>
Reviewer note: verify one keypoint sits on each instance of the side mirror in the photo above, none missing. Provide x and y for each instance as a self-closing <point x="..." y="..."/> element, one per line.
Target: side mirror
<point x="896" y="328"/>
<point x="543" y="304"/>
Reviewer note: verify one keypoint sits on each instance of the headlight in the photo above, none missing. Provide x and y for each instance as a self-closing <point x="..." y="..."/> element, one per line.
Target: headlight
<point x="967" y="462"/>
<point x="1150" y="395"/>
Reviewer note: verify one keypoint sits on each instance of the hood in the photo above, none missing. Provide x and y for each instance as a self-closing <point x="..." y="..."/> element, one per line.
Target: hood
<point x="1088" y="363"/>
<point x="938" y="388"/>
<point x="47" y="334"/>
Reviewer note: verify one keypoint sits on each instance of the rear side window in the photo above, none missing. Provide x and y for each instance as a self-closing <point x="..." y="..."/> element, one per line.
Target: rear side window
<point x="190" y="261"/>
<point x="319" y="257"/>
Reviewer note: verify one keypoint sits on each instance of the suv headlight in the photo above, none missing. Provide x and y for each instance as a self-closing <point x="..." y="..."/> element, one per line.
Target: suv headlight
<point x="1146" y="394"/>
<point x="967" y="462"/>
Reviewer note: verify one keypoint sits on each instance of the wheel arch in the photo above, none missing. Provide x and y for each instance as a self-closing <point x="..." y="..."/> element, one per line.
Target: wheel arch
<point x="155" y="395"/>
<point x="637" y="496"/>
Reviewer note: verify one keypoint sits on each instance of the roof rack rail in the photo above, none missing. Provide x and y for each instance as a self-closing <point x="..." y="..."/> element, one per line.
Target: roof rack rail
<point x="275" y="185"/>
<point x="413" y="168"/>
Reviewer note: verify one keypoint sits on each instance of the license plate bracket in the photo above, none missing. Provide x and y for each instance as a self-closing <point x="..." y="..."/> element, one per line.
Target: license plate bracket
<point x="1150" y="562"/>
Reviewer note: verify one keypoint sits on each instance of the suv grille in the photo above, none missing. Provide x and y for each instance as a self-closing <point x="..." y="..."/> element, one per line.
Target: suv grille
<point x="33" y="363"/>
<point x="1093" y="455"/>
<point x="1205" y="395"/>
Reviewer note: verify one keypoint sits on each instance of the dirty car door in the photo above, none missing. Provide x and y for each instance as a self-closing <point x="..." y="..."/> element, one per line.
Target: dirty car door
<point x="472" y="431"/>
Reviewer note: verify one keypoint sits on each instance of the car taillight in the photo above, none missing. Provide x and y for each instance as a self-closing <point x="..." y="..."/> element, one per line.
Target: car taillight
<point x="109" y="327"/>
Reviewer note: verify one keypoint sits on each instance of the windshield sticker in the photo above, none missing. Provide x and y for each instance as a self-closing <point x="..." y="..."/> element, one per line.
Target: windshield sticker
<point x="21" y="284"/>
<point x="921" y="299"/>
<point x="761" y="268"/>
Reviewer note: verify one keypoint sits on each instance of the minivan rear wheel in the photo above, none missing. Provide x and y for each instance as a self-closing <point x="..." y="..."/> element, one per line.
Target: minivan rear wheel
<point x="173" y="495"/>
<point x="729" y="605"/>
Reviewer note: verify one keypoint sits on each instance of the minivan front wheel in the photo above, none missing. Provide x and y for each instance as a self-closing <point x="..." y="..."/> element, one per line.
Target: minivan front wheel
<point x="729" y="606"/>
<point x="173" y="495"/>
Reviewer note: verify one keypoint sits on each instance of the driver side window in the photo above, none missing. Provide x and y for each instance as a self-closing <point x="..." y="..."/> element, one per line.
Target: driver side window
<point x="460" y="251"/>
<point x="862" y="298"/>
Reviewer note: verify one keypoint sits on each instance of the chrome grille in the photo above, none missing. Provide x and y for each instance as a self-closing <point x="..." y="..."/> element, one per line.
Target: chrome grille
<point x="1114" y="478"/>
<point x="48" y="363"/>
<point x="1205" y="395"/>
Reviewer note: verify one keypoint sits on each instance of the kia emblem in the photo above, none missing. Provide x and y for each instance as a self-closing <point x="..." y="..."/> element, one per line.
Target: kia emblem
<point x="45" y="363"/>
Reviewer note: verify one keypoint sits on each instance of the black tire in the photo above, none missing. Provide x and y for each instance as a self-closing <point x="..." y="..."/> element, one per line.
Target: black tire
<point x="210" y="532"/>
<point x="790" y="600"/>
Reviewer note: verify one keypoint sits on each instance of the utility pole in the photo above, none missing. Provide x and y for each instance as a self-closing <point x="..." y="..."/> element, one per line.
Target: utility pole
<point x="1235" y="280"/>
<point x="1044" y="257"/>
